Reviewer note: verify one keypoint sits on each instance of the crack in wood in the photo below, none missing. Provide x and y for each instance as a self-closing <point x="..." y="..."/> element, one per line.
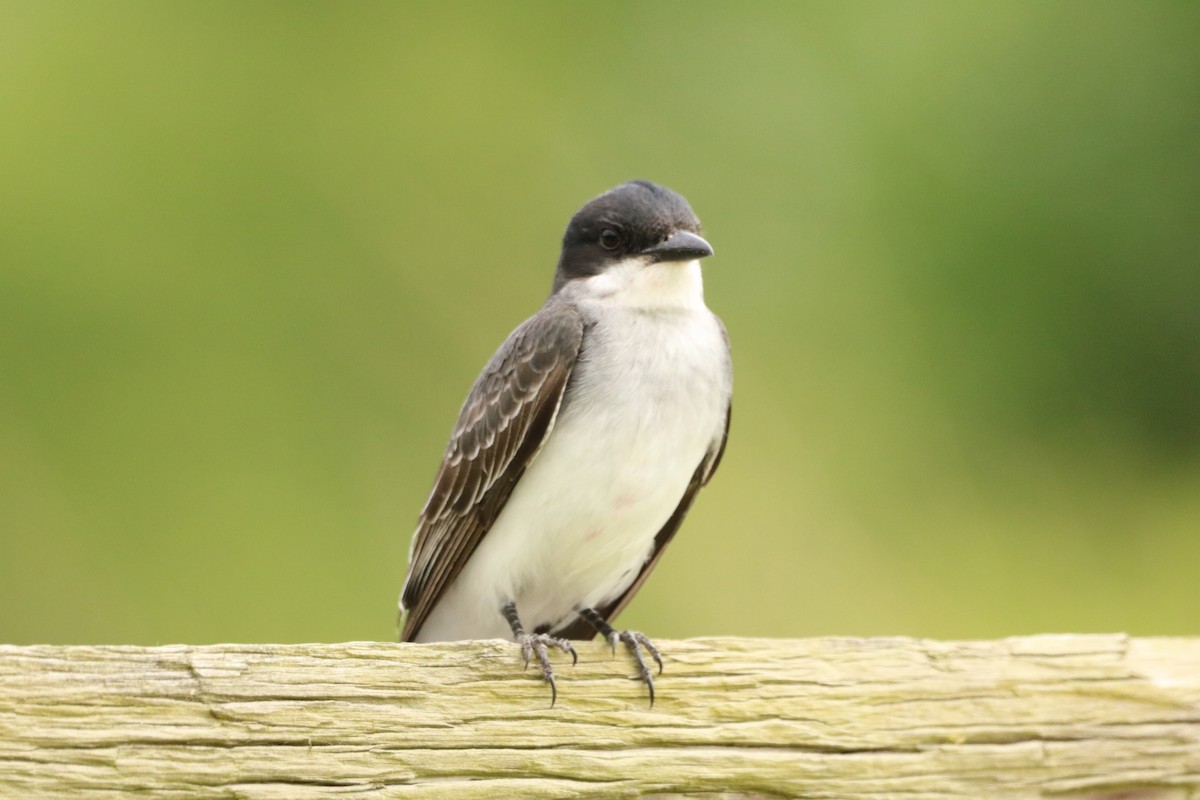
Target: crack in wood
<point x="1064" y="716"/>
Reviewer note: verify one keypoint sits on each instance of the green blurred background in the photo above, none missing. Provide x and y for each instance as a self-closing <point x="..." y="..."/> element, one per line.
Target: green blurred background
<point x="253" y="255"/>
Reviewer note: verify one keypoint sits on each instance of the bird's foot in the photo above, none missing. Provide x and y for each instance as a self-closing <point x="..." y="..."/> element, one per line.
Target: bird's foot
<point x="539" y="644"/>
<point x="634" y="642"/>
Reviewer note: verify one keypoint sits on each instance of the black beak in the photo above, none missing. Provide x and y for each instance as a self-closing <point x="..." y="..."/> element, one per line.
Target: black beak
<point x="679" y="246"/>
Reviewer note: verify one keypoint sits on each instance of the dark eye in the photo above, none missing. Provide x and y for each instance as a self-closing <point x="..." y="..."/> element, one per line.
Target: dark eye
<point x="610" y="239"/>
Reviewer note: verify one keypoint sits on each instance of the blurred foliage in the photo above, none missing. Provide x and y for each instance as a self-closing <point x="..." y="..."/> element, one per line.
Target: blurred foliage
<point x="253" y="255"/>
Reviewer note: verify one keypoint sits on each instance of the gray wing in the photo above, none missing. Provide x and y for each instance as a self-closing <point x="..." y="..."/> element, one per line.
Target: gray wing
<point x="502" y="426"/>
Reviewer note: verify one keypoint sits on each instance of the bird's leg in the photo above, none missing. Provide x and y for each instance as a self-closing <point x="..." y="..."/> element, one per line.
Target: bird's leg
<point x="634" y="642"/>
<point x="537" y="644"/>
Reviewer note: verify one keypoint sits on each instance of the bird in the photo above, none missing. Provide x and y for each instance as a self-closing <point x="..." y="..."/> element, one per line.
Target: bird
<point x="581" y="446"/>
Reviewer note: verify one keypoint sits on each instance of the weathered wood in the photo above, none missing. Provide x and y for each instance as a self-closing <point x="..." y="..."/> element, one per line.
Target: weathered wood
<point x="1044" y="716"/>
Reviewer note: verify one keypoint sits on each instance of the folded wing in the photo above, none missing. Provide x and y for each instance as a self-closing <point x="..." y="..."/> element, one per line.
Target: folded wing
<point x="503" y="423"/>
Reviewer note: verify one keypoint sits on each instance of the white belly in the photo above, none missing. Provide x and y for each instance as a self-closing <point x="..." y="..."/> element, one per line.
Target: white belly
<point x="649" y="401"/>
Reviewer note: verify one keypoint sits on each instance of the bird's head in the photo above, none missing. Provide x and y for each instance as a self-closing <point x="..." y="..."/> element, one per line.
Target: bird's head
<point x="638" y="224"/>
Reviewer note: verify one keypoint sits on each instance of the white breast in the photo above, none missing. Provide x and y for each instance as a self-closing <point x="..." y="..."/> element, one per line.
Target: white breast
<point x="647" y="400"/>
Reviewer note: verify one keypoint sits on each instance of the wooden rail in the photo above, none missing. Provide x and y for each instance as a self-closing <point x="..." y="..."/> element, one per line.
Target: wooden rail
<point x="1044" y="716"/>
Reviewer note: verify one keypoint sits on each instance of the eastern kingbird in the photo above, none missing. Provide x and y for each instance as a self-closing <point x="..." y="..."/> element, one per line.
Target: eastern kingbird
<point x="581" y="445"/>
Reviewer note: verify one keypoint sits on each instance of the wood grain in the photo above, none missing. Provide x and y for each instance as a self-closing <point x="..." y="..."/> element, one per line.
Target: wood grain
<point x="1045" y="716"/>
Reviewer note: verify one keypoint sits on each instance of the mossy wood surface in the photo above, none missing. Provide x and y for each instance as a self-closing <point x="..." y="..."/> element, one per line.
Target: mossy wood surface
<point x="1044" y="716"/>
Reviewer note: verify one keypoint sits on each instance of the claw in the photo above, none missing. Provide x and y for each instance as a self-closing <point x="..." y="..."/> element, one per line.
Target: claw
<point x="650" y="648"/>
<point x="539" y="644"/>
<point x="634" y="642"/>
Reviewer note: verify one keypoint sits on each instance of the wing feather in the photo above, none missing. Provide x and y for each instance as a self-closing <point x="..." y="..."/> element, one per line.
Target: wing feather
<point x="503" y="424"/>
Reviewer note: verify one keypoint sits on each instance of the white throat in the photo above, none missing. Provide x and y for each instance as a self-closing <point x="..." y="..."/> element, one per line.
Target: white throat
<point x="633" y="283"/>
